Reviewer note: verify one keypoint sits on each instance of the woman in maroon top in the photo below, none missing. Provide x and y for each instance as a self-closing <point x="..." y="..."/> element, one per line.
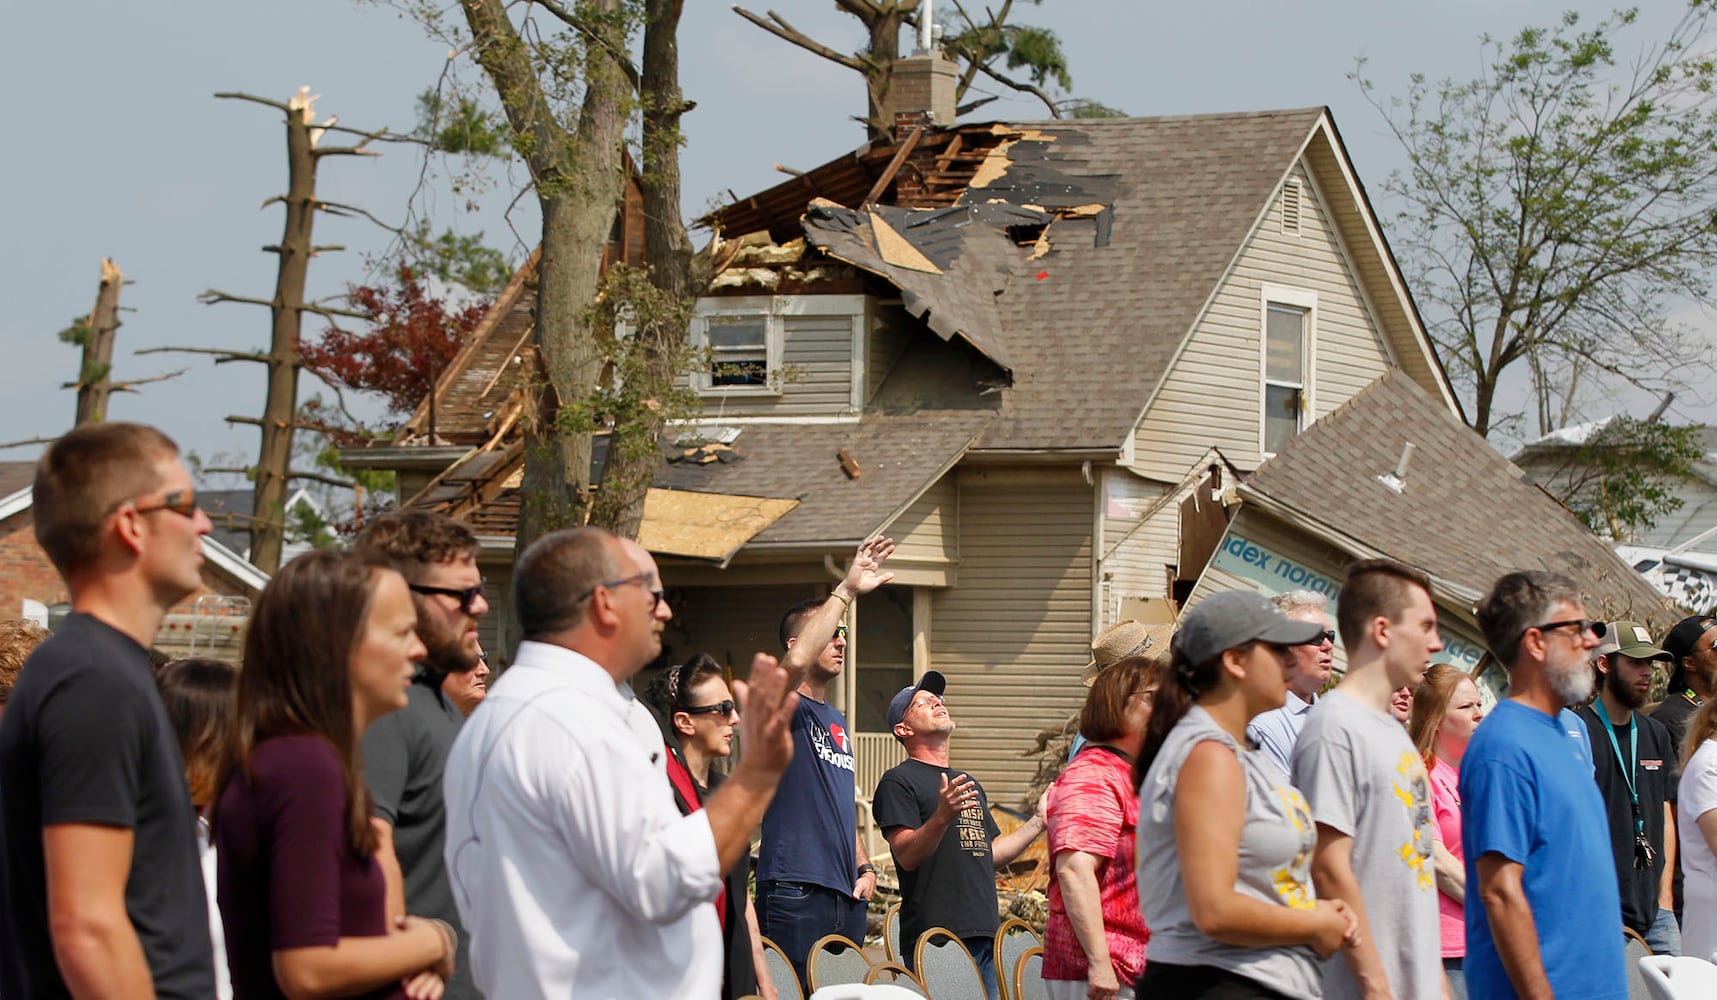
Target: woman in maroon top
<point x="329" y="650"/>
<point x="1094" y="939"/>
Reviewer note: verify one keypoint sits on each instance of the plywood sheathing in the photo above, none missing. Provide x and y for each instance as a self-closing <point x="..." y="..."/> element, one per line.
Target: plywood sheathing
<point x="997" y="161"/>
<point x="712" y="526"/>
<point x="894" y="248"/>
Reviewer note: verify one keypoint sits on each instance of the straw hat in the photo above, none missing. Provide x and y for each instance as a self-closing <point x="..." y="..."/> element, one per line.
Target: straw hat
<point x="1124" y="639"/>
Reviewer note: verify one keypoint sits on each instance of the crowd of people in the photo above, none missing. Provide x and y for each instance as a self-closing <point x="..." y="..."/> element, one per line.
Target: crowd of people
<point x="357" y="812"/>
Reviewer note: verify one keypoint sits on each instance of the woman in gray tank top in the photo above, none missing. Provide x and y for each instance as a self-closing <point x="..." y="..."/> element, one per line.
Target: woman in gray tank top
<point x="1224" y="840"/>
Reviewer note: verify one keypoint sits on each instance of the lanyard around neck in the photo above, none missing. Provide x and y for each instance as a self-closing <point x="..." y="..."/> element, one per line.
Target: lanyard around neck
<point x="1630" y="773"/>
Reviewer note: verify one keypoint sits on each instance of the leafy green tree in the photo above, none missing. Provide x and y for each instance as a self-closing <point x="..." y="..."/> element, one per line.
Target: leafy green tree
<point x="1557" y="208"/>
<point x="1624" y="475"/>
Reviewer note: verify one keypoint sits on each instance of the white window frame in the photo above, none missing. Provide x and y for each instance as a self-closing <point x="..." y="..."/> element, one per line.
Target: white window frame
<point x="746" y="307"/>
<point x="1298" y="298"/>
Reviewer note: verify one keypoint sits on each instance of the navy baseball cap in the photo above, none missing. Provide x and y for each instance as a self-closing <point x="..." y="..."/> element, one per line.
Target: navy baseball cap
<point x="932" y="681"/>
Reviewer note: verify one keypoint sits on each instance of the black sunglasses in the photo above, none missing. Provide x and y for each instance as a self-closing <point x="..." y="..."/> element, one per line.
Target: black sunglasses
<point x="1327" y="635"/>
<point x="1585" y="624"/>
<point x="657" y="594"/>
<point x="181" y="502"/>
<point x="719" y="708"/>
<point x="465" y="597"/>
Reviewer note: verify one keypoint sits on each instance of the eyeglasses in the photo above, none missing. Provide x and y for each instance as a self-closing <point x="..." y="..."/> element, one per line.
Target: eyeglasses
<point x="181" y="502"/>
<point x="466" y="597"/>
<point x="1327" y="635"/>
<point x="657" y="594"/>
<point x="723" y="708"/>
<point x="1584" y="625"/>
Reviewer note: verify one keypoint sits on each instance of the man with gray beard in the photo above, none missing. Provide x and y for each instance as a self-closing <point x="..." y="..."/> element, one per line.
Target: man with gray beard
<point x="1543" y="911"/>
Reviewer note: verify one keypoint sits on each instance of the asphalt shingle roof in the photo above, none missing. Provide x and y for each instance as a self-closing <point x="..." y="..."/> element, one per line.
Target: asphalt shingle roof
<point x="1467" y="514"/>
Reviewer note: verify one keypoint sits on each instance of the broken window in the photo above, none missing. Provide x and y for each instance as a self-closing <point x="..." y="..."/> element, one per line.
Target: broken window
<point x="1286" y="336"/>
<point x="738" y="349"/>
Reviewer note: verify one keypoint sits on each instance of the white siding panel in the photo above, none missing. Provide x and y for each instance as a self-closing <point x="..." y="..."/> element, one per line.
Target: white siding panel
<point x="1013" y="636"/>
<point x="1136" y="548"/>
<point x="1211" y="397"/>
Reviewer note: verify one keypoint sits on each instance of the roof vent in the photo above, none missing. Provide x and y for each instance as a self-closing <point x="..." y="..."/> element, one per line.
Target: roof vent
<point x="1291" y="207"/>
<point x="1397" y="481"/>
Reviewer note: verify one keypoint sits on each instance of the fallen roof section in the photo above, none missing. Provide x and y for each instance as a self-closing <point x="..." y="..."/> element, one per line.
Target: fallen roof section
<point x="1464" y="514"/>
<point x="709" y="526"/>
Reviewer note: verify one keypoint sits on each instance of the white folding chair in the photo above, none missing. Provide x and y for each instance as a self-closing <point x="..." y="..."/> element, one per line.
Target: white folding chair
<point x="1683" y="977"/>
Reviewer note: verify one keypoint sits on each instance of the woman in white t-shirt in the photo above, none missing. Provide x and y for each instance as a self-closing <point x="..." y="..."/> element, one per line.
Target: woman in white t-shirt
<point x="198" y="696"/>
<point x="1697" y="823"/>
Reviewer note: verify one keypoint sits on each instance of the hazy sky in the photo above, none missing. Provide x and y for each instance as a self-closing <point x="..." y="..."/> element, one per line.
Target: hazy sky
<point x="119" y="148"/>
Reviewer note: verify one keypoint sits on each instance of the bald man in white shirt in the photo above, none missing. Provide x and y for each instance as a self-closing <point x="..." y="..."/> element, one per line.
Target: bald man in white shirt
<point x="572" y="867"/>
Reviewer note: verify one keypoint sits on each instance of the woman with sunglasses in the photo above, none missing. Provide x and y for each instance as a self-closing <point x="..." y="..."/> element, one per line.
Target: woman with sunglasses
<point x="1446" y="711"/>
<point x="330" y="649"/>
<point x="698" y="713"/>
<point x="1094" y="939"/>
<point x="1225" y="841"/>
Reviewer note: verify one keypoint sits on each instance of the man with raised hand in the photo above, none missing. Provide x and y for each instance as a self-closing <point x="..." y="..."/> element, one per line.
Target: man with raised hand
<point x="1369" y="792"/>
<point x="1543" y="915"/>
<point x="814" y="877"/>
<point x="575" y="872"/>
<point x="98" y="839"/>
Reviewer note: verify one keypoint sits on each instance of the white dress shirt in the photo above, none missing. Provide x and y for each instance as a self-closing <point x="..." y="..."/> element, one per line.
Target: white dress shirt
<point x="1275" y="732"/>
<point x="574" y="871"/>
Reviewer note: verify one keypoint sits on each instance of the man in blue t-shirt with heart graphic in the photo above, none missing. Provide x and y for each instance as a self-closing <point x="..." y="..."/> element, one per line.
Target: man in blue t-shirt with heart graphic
<point x="813" y="875"/>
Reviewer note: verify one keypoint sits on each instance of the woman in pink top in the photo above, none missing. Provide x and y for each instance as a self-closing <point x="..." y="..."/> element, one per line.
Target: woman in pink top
<point x="1094" y="940"/>
<point x="1446" y="710"/>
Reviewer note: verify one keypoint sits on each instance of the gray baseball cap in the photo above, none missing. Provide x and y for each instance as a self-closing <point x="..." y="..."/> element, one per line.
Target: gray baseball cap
<point x="1235" y="617"/>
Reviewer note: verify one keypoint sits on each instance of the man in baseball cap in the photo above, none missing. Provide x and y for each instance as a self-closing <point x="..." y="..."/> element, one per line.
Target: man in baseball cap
<point x="1634" y="765"/>
<point x="938" y="824"/>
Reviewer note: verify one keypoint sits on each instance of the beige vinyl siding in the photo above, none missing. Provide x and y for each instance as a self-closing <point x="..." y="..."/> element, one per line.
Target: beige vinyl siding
<point x="890" y="333"/>
<point x="817" y="372"/>
<point x="1013" y="636"/>
<point x="1134" y="554"/>
<point x="928" y="531"/>
<point x="498" y="591"/>
<point x="1211" y="396"/>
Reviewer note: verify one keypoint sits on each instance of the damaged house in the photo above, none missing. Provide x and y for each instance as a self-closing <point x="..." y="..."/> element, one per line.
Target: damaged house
<point x="1044" y="357"/>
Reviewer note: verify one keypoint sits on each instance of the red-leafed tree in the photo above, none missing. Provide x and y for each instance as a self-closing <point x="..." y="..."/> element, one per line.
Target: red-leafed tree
<point x="412" y="336"/>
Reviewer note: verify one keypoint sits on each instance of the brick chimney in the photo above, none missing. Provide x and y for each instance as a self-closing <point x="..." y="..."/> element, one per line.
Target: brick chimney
<point x="922" y="86"/>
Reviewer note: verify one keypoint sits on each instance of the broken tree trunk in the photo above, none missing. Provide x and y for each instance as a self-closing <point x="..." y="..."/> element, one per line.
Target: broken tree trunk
<point x="94" y="385"/>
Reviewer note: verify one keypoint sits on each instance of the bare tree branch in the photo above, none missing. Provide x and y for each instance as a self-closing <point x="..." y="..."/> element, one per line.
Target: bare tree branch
<point x="347" y="211"/>
<point x="29" y="441"/>
<point x="221" y="355"/>
<point x="131" y="384"/>
<point x="318" y="477"/>
<point x="778" y="26"/>
<point x="1022" y="87"/>
<point x="213" y="296"/>
<point x="232" y="95"/>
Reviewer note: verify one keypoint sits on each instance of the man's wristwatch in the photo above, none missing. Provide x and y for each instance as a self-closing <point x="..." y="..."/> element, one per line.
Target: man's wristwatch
<point x="866" y="869"/>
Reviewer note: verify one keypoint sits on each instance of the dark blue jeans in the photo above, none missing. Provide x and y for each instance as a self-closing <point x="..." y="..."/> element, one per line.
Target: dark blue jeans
<point x="795" y="915"/>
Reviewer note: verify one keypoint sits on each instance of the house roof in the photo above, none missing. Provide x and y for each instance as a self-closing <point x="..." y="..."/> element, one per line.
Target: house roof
<point x="898" y="458"/>
<point x="15" y="476"/>
<point x="1466" y="515"/>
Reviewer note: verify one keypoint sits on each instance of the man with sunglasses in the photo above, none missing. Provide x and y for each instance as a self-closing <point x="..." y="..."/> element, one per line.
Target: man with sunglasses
<point x="1276" y="731"/>
<point x="1544" y="917"/>
<point x="814" y="876"/>
<point x="1369" y="793"/>
<point x="405" y="752"/>
<point x="98" y="841"/>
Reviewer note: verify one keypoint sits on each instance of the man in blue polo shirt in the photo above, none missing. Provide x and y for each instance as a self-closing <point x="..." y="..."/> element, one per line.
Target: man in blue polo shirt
<point x="1543" y="911"/>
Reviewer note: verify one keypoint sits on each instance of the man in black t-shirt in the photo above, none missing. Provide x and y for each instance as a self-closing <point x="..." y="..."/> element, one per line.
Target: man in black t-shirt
<point x="98" y="844"/>
<point x="1635" y="770"/>
<point x="938" y="825"/>
<point x="1691" y="676"/>
<point x="406" y="752"/>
